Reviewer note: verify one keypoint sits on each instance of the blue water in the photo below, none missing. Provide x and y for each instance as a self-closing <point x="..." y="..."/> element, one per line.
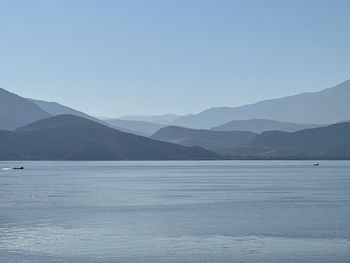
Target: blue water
<point x="190" y="211"/>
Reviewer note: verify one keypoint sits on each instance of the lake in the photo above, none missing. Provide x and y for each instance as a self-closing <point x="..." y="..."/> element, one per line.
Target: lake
<point x="175" y="211"/>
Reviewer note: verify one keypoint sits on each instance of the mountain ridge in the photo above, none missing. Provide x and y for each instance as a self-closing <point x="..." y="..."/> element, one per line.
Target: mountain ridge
<point x="164" y="119"/>
<point x="326" y="106"/>
<point x="55" y="109"/>
<point x="16" y="111"/>
<point x="261" y="125"/>
<point x="212" y="140"/>
<point x="69" y="137"/>
<point x="142" y="128"/>
<point x="331" y="142"/>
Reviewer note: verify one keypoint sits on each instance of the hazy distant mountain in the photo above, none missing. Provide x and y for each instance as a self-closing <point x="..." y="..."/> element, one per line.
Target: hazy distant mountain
<point x="325" y="142"/>
<point x="16" y="111"/>
<point x="68" y="137"/>
<point x="261" y="125"/>
<point x="139" y="127"/>
<point x="327" y="106"/>
<point x="165" y="119"/>
<point x="55" y="109"/>
<point x="212" y="140"/>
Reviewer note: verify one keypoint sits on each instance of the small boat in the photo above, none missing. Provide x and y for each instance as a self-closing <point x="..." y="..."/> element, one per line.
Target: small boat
<point x="316" y="164"/>
<point x="18" y="168"/>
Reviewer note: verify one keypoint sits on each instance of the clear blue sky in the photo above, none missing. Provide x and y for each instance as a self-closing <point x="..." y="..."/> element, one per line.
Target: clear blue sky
<point x="111" y="58"/>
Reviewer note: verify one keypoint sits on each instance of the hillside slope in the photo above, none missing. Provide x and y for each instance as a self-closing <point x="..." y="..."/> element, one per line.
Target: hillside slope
<point x="16" y="111"/>
<point x="56" y="109"/>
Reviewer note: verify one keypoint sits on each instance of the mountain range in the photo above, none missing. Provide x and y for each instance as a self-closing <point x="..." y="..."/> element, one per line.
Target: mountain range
<point x="290" y="127"/>
<point x="55" y="109"/>
<point x="261" y="125"/>
<point x="164" y="119"/>
<point x="137" y="127"/>
<point x="327" y="106"/>
<point x="217" y="141"/>
<point x="331" y="142"/>
<point x="68" y="137"/>
<point x="16" y="111"/>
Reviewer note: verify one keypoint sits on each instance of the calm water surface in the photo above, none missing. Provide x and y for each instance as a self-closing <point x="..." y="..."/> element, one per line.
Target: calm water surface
<point x="217" y="211"/>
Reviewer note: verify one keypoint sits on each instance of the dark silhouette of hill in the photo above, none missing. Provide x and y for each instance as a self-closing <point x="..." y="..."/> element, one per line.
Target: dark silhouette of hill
<point x="325" y="142"/>
<point x="16" y="111"/>
<point x="261" y="125"/>
<point x="212" y="140"/>
<point x="69" y="137"/>
<point x="137" y="127"/>
<point x="327" y="106"/>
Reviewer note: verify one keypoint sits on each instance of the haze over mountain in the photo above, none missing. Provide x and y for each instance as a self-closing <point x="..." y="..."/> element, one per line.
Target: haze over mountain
<point x="327" y="106"/>
<point x="212" y="140"/>
<point x="164" y="119"/>
<point x="56" y="109"/>
<point x="261" y="125"/>
<point x="138" y="127"/>
<point x="16" y="111"/>
<point x="68" y="137"/>
<point x="324" y="142"/>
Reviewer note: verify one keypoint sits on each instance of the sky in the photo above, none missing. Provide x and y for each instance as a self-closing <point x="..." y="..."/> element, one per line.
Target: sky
<point x="112" y="58"/>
